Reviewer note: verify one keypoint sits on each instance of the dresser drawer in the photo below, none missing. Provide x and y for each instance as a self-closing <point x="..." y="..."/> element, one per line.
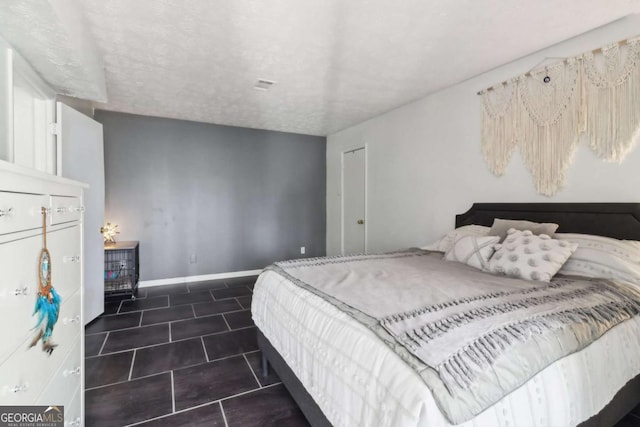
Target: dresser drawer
<point x="72" y="416"/>
<point x="65" y="382"/>
<point x="24" y="375"/>
<point x="19" y="211"/>
<point x="65" y="250"/>
<point x="19" y="285"/>
<point x="65" y="209"/>
<point x="18" y="290"/>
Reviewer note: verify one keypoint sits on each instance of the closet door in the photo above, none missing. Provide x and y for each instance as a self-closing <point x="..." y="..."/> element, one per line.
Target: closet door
<point x="81" y="157"/>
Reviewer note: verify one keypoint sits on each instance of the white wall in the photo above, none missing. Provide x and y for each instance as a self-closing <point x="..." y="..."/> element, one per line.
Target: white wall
<point x="425" y="164"/>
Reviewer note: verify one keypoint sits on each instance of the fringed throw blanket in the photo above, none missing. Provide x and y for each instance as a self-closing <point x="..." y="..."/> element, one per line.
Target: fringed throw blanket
<point x="472" y="336"/>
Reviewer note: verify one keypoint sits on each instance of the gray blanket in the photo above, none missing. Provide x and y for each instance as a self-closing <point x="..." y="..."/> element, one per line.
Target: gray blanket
<point x="472" y="336"/>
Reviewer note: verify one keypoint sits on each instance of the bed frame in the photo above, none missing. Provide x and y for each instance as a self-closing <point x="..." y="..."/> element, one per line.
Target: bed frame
<point x="617" y="220"/>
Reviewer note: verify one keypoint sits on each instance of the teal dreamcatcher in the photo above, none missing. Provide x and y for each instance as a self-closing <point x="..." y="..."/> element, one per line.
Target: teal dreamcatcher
<point x="47" y="301"/>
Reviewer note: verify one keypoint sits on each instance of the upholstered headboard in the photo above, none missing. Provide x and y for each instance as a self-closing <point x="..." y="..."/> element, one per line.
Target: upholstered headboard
<point x="618" y="220"/>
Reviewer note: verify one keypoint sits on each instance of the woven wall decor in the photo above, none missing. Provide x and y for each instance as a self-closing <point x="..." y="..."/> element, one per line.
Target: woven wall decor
<point x="499" y="131"/>
<point x="545" y="112"/>
<point x="612" y="98"/>
<point x="549" y="124"/>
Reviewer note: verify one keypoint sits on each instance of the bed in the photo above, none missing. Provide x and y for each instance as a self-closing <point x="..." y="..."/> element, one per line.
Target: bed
<point x="304" y="337"/>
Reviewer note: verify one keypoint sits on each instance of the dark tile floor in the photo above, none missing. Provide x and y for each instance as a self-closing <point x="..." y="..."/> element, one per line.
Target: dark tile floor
<point x="182" y="355"/>
<point x="632" y="419"/>
<point x="186" y="355"/>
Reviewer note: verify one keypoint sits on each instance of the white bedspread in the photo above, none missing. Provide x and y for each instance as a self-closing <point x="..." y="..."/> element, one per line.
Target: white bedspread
<point x="367" y="384"/>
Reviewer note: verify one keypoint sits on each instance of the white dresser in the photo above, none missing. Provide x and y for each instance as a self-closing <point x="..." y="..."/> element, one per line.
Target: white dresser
<point x="29" y="376"/>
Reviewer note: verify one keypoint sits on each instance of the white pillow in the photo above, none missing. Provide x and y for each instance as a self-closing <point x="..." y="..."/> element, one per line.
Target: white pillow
<point x="446" y="242"/>
<point x="472" y="250"/>
<point x="527" y="256"/>
<point x="603" y="257"/>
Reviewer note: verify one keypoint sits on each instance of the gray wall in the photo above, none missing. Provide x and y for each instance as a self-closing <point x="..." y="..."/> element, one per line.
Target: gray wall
<point x="237" y="198"/>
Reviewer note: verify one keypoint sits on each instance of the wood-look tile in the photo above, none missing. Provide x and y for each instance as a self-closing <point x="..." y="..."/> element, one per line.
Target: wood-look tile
<point x="113" y="322"/>
<point x="240" y="291"/>
<point x="216" y="307"/>
<point x="230" y="343"/>
<point x="239" y="319"/>
<point x="166" y="357"/>
<point x="196" y="327"/>
<point x="93" y="344"/>
<point x="111" y="307"/>
<point x="255" y="361"/>
<point x="136" y="337"/>
<point x="190" y="298"/>
<point x="205" y="286"/>
<point x="109" y="369"/>
<point x="212" y="381"/>
<point x="153" y="291"/>
<point x="204" y="416"/>
<point x="129" y="402"/>
<point x="272" y="406"/>
<point x="161" y="315"/>
<point x="245" y="302"/>
<point x="144" y="304"/>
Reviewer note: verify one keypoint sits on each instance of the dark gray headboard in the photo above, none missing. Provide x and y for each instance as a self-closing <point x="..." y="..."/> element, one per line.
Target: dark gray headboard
<point x="618" y="220"/>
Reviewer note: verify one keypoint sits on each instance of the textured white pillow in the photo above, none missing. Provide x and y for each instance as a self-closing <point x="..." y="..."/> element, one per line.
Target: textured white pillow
<point x="472" y="250"/>
<point x="603" y="257"/>
<point x="531" y="257"/>
<point x="446" y="242"/>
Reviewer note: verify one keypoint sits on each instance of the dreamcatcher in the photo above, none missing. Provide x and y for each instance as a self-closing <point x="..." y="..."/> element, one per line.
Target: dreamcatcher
<point x="48" y="301"/>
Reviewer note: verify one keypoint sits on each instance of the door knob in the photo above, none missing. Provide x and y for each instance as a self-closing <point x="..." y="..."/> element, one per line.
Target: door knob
<point x="361" y="221"/>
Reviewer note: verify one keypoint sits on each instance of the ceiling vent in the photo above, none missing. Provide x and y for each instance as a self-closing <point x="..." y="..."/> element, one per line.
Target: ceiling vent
<point x="263" y="84"/>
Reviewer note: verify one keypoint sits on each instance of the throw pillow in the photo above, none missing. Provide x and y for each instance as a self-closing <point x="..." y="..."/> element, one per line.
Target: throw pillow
<point x="446" y="242"/>
<point x="472" y="250"/>
<point x="603" y="257"/>
<point x="527" y="256"/>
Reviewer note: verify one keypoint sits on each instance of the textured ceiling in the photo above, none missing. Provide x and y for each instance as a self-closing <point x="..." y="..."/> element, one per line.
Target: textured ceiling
<point x="336" y="62"/>
<point x="53" y="37"/>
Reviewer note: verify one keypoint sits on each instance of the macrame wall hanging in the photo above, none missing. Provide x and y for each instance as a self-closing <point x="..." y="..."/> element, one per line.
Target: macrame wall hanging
<point x="544" y="113"/>
<point x="499" y="134"/>
<point x="612" y="97"/>
<point x="549" y="123"/>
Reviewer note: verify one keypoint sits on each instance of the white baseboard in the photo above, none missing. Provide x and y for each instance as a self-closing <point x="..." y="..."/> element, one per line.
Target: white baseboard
<point x="201" y="278"/>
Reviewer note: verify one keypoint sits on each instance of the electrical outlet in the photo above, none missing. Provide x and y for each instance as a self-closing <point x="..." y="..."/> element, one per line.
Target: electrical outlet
<point x="303" y="250"/>
<point x="123" y="263"/>
<point x="193" y="259"/>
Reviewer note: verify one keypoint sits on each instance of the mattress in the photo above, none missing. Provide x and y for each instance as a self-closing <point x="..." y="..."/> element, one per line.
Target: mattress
<point x="368" y="384"/>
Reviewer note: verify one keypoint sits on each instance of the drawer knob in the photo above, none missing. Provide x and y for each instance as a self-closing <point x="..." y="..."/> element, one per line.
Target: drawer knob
<point x="20" y="388"/>
<point x="73" y="371"/>
<point x="6" y="212"/>
<point x="71" y="258"/>
<point x="21" y="291"/>
<point x="68" y="320"/>
<point x="73" y="423"/>
<point x="80" y="209"/>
